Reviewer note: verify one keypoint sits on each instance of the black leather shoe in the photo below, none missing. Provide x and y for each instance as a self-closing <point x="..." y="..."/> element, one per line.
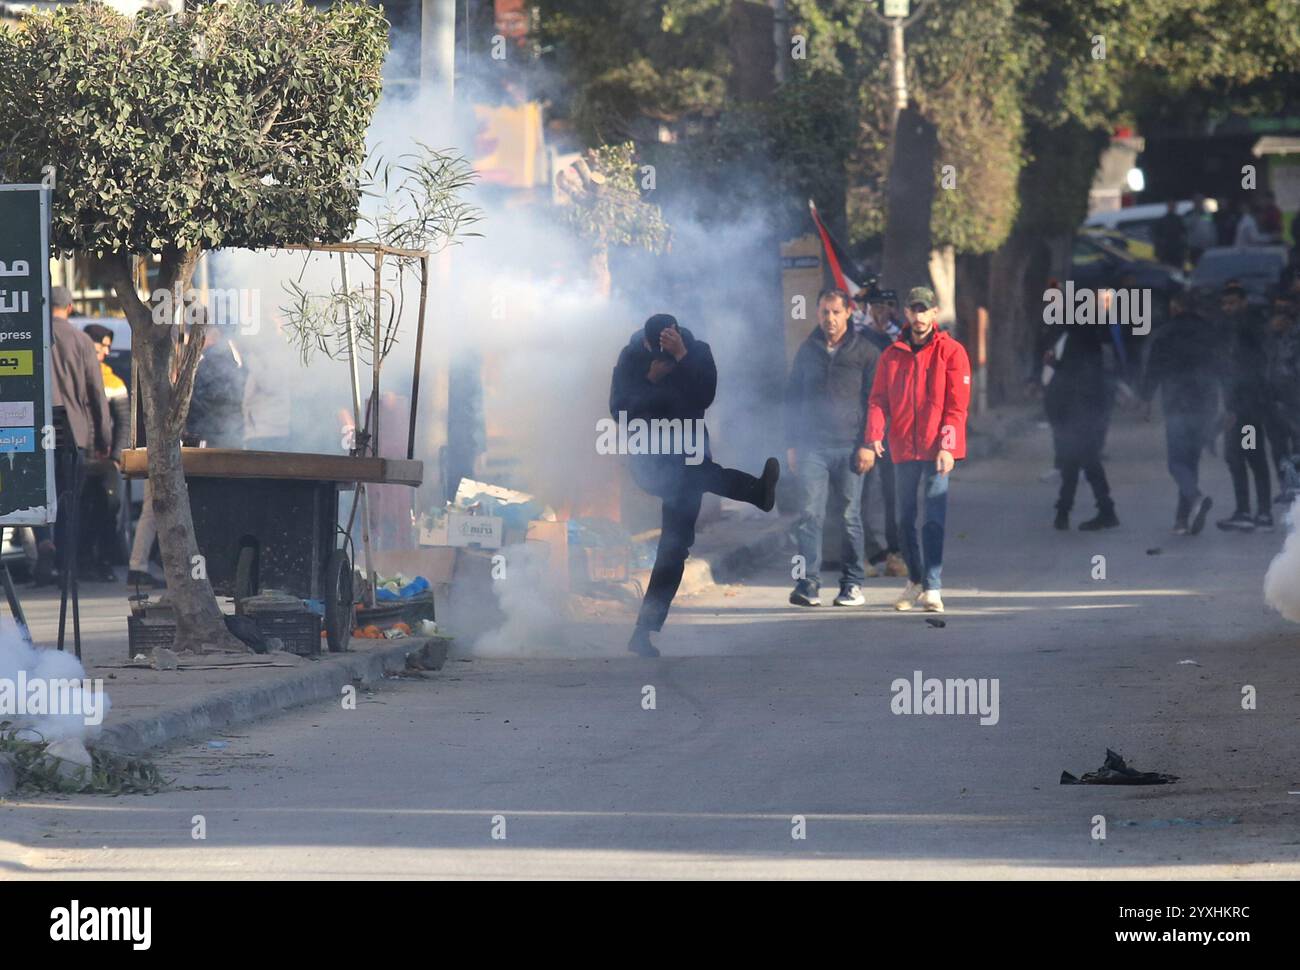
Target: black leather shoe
<point x="767" y="485"/>
<point x="1102" y="520"/>
<point x="640" y="643"/>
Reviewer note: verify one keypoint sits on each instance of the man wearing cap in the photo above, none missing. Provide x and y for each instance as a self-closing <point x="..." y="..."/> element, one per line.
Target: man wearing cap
<point x="922" y="393"/>
<point x="664" y="374"/>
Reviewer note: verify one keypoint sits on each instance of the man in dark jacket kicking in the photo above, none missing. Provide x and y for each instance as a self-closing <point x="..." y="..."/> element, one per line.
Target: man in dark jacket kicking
<point x="665" y="379"/>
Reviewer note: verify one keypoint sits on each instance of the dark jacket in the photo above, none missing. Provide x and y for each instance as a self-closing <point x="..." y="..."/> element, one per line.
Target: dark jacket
<point x="217" y="407"/>
<point x="1079" y="399"/>
<point x="1284" y="369"/>
<point x="1245" y="363"/>
<point x="826" y="394"/>
<point x="686" y="393"/>
<point x="1184" y="366"/>
<point x="78" y="385"/>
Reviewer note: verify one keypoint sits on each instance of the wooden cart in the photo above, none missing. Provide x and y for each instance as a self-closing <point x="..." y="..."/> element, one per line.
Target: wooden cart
<point x="270" y="520"/>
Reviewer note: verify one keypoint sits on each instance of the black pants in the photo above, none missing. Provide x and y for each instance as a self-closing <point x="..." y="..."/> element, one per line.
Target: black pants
<point x="1096" y="476"/>
<point x="101" y="503"/>
<point x="1078" y="445"/>
<point x="1256" y="459"/>
<point x="682" y="487"/>
<point x="1283" y="439"/>
<point x="65" y="544"/>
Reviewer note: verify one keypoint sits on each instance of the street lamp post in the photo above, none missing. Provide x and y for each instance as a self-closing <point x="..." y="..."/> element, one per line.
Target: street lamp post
<point x="898" y="15"/>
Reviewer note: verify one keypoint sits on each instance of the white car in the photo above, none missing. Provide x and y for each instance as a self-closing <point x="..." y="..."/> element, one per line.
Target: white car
<point x="1137" y="220"/>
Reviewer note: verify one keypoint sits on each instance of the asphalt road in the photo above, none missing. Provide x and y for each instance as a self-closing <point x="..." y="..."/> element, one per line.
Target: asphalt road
<point x="766" y="716"/>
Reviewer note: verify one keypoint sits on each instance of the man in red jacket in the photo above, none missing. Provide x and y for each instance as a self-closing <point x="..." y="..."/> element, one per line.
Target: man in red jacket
<point x="922" y="390"/>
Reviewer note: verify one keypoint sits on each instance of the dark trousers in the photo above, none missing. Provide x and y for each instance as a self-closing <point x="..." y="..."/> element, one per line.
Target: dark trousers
<point x="682" y="487"/>
<point x="65" y="544"/>
<point x="1096" y="476"/>
<point x="1283" y="440"/>
<point x="1184" y="439"/>
<point x="883" y="473"/>
<point x="101" y="502"/>
<point x="1256" y="459"/>
<point x="1078" y="446"/>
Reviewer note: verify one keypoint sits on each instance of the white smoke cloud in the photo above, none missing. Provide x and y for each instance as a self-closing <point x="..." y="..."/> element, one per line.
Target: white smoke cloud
<point x="1282" y="581"/>
<point x="39" y="670"/>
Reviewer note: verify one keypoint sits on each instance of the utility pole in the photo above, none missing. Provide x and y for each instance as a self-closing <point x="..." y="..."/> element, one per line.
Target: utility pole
<point x="898" y="16"/>
<point x="912" y="147"/>
<point x="781" y="39"/>
<point x="437" y="52"/>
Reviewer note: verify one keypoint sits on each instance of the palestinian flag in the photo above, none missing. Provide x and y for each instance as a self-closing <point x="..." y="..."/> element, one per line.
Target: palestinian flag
<point x="847" y="276"/>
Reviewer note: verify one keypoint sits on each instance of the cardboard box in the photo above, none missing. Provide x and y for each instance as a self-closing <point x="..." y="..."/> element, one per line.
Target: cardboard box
<point x="554" y="537"/>
<point x="484" y="531"/>
<point x="462" y="529"/>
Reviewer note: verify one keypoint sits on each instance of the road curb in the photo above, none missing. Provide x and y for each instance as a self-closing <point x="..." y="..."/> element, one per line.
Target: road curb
<point x="206" y="713"/>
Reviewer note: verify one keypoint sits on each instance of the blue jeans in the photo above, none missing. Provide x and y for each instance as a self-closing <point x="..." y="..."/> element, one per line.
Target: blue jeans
<point x="1184" y="436"/>
<point x="924" y="558"/>
<point x="826" y="471"/>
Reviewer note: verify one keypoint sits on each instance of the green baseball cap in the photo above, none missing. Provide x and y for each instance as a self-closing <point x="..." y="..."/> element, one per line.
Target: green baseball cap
<point x="921" y="294"/>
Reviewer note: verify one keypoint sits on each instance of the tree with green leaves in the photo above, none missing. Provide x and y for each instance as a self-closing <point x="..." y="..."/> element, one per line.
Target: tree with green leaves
<point x="235" y="124"/>
<point x="605" y="207"/>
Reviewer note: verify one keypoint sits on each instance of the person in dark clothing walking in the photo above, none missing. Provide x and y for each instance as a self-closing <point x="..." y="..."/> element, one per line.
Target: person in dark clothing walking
<point x="1246" y="406"/>
<point x="1183" y="366"/>
<point x="101" y="498"/>
<point x="1170" y="237"/>
<point x="881" y="326"/>
<point x="663" y="375"/>
<point x="826" y="412"/>
<point x="1078" y="402"/>
<point x="1283" y="379"/>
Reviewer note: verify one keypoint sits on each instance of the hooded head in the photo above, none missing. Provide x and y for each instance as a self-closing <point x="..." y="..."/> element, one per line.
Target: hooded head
<point x="656" y="325"/>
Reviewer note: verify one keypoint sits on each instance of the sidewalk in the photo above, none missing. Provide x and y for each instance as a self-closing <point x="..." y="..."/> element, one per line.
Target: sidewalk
<point x="152" y="708"/>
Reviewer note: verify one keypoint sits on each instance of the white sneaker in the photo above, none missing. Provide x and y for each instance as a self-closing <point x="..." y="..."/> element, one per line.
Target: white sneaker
<point x="931" y="601"/>
<point x="909" y="597"/>
<point x="850" y="595"/>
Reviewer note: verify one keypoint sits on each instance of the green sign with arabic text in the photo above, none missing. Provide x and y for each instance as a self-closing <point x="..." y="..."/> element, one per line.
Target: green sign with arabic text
<point x="27" y="495"/>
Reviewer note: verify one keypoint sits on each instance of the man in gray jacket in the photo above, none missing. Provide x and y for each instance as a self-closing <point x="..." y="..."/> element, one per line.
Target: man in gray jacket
<point x="826" y="411"/>
<point x="77" y="386"/>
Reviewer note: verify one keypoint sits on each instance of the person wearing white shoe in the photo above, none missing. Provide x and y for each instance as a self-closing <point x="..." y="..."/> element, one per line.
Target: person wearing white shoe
<point x="909" y="597"/>
<point x="921" y="393"/>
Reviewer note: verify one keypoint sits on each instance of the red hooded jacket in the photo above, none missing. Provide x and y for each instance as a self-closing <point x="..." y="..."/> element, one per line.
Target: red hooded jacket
<point x="924" y="394"/>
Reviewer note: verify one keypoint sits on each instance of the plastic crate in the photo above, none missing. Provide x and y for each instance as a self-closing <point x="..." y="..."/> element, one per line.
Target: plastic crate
<point x="144" y="633"/>
<point x="298" y="630"/>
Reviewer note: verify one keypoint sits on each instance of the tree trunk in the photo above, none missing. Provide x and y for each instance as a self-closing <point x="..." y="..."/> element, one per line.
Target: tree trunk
<point x="1008" y="322"/>
<point x="943" y="270"/>
<point x="200" y="627"/>
<point x="910" y="198"/>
